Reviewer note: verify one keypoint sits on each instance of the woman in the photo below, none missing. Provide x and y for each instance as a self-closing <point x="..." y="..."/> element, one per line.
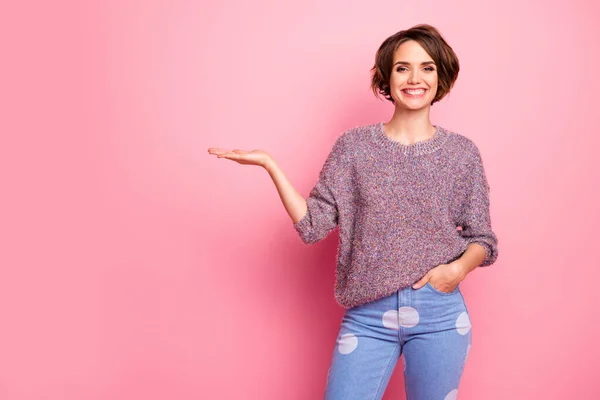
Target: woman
<point x="411" y="200"/>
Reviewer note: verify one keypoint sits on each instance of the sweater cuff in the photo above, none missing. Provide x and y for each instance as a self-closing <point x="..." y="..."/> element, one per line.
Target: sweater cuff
<point x="491" y="252"/>
<point x="303" y="227"/>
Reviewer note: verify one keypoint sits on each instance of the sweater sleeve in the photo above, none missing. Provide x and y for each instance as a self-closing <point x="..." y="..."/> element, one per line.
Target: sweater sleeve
<point x="475" y="211"/>
<point x="330" y="196"/>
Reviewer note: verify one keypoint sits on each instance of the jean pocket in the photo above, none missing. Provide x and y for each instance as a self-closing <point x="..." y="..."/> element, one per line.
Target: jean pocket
<point x="434" y="290"/>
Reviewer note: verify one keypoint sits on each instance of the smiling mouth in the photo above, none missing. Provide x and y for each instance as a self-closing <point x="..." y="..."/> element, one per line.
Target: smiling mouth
<point x="414" y="92"/>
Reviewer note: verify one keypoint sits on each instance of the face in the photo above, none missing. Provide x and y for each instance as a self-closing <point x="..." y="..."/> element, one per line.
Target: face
<point x="414" y="78"/>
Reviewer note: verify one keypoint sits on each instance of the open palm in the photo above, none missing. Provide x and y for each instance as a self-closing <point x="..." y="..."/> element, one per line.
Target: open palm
<point x="254" y="157"/>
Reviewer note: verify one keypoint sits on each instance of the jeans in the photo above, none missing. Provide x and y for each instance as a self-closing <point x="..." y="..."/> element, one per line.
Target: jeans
<point x="430" y="328"/>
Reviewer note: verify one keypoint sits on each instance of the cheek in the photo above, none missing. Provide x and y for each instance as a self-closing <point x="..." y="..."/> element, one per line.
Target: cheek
<point x="394" y="84"/>
<point x="393" y="80"/>
<point x="434" y="82"/>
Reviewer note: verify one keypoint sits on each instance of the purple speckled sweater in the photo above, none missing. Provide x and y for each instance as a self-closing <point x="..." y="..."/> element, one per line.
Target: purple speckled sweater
<point x="398" y="208"/>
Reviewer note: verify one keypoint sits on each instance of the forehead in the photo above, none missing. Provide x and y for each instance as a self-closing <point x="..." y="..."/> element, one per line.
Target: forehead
<point x="411" y="51"/>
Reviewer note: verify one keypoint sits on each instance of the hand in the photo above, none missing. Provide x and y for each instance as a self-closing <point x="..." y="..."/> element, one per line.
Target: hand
<point x="254" y="157"/>
<point x="444" y="277"/>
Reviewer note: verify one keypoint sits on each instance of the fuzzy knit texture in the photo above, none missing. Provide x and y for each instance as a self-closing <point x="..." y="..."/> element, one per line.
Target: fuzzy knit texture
<point x="398" y="208"/>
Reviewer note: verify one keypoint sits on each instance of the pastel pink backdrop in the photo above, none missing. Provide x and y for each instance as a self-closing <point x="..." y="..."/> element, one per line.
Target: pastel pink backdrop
<point x="137" y="266"/>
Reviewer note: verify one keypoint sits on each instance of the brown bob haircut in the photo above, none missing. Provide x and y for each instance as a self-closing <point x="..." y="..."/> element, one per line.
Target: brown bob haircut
<point x="433" y="43"/>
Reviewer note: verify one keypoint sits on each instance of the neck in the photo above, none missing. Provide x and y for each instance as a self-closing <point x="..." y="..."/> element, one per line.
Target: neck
<point x="409" y="126"/>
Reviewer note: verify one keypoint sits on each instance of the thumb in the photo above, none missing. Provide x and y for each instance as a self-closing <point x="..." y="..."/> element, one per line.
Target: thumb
<point x="421" y="282"/>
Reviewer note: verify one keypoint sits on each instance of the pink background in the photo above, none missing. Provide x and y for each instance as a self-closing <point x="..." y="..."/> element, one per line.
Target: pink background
<point x="137" y="266"/>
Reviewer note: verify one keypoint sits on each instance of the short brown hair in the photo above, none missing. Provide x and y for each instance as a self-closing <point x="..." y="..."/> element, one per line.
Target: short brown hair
<point x="434" y="44"/>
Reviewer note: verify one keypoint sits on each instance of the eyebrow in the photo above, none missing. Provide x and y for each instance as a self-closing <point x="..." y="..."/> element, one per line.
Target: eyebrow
<point x="407" y="63"/>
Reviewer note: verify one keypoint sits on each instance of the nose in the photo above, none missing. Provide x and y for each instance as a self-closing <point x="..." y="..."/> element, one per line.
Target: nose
<point x="413" y="77"/>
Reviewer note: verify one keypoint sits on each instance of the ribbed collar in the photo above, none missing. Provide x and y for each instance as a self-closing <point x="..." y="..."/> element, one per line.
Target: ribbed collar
<point x="423" y="147"/>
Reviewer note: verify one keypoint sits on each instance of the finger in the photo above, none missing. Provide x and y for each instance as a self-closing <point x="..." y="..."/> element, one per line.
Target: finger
<point x="216" y="151"/>
<point x="231" y="156"/>
<point x="418" y="284"/>
<point x="239" y="151"/>
<point x="421" y="282"/>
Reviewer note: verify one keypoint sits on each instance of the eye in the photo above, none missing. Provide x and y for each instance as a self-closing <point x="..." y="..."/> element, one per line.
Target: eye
<point x="400" y="69"/>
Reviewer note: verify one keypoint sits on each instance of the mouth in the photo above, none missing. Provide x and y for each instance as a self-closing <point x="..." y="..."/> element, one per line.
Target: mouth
<point x="414" y="93"/>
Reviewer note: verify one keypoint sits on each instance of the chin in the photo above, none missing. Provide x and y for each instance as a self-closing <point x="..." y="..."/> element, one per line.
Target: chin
<point x="415" y="106"/>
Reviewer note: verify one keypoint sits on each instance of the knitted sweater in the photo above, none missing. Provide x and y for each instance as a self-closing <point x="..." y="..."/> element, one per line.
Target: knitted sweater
<point x="398" y="208"/>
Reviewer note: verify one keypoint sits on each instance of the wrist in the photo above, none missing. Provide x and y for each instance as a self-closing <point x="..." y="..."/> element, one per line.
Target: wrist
<point x="269" y="165"/>
<point x="462" y="268"/>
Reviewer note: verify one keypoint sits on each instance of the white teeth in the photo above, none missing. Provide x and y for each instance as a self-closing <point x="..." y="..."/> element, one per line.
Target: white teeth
<point x="415" y="91"/>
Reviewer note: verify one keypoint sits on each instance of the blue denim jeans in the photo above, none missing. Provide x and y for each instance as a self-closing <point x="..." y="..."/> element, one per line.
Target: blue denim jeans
<point x="430" y="329"/>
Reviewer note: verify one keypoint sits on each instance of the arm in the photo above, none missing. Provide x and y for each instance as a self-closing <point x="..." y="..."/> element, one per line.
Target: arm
<point x="314" y="218"/>
<point x="471" y="258"/>
<point x="294" y="203"/>
<point x="482" y="248"/>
